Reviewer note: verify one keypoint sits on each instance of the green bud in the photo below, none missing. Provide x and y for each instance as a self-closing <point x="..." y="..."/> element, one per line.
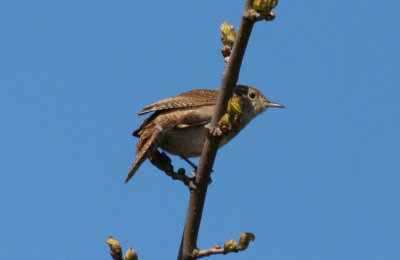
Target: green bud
<point x="230" y="245"/>
<point x="228" y="33"/>
<point x="245" y="239"/>
<point x="115" y="247"/>
<point x="131" y="254"/>
<point x="225" y="123"/>
<point x="271" y="16"/>
<point x="273" y="3"/>
<point x="264" y="5"/>
<point x="226" y="28"/>
<point x="234" y="106"/>
<point x="113" y="243"/>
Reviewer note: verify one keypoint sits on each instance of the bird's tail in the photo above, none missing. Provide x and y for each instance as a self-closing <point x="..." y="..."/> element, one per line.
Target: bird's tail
<point x="144" y="147"/>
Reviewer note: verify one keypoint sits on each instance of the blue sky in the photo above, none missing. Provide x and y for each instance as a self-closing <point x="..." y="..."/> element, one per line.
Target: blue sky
<point x="318" y="180"/>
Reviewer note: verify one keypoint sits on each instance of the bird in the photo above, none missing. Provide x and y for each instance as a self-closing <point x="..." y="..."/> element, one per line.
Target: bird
<point x="178" y="124"/>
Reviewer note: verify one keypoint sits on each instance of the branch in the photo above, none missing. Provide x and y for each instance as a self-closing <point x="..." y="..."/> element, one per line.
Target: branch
<point x="254" y="10"/>
<point x="230" y="77"/>
<point x="230" y="246"/>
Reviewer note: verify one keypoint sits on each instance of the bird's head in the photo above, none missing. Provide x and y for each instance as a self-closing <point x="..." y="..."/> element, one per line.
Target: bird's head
<point x="254" y="102"/>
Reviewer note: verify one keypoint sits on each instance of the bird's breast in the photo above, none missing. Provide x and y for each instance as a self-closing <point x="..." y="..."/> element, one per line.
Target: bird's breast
<point x="187" y="142"/>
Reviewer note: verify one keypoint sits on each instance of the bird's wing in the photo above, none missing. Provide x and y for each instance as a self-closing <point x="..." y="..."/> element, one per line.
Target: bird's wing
<point x="194" y="119"/>
<point x="188" y="99"/>
<point x="189" y="117"/>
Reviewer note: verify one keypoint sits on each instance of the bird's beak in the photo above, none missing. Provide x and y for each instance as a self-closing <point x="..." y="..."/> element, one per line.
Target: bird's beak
<point x="272" y="104"/>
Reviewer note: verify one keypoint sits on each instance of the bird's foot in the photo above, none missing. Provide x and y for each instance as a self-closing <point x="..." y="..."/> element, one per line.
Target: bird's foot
<point x="215" y="131"/>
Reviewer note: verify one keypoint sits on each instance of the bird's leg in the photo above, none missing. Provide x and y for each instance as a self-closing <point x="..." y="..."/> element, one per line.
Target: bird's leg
<point x="193" y="173"/>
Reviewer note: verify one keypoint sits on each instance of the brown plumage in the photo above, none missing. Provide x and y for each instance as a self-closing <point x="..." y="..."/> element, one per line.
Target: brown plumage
<point x="193" y="98"/>
<point x="178" y="123"/>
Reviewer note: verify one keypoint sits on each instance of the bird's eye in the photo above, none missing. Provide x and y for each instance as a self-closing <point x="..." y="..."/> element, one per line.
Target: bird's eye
<point x="251" y="95"/>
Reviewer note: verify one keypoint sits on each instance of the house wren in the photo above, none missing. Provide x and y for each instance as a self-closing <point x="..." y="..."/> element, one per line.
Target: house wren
<point x="179" y="124"/>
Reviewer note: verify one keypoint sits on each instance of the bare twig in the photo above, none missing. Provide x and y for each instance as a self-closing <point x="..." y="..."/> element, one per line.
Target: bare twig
<point x="230" y="246"/>
<point x="211" y="251"/>
<point x="217" y="250"/>
<point x="197" y="197"/>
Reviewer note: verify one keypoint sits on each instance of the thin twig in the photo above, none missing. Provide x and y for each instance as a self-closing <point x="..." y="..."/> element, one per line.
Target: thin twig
<point x="213" y="251"/>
